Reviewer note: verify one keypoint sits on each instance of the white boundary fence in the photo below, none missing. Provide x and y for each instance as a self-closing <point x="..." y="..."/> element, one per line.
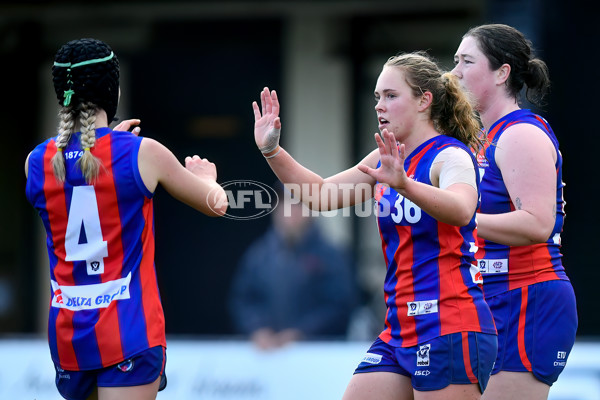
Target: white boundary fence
<point x="234" y="370"/>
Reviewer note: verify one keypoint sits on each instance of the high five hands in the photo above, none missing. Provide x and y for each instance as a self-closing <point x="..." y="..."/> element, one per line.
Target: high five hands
<point x="392" y="158"/>
<point x="267" y="125"/>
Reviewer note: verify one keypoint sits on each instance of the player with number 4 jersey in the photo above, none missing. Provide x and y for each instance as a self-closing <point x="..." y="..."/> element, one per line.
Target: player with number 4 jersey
<point x="93" y="187"/>
<point x="105" y="301"/>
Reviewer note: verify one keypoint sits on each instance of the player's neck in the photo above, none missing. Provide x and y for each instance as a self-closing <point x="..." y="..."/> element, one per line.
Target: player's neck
<point x="494" y="111"/>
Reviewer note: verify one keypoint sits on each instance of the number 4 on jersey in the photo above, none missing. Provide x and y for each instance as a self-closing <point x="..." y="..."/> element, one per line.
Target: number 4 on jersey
<point x="83" y="240"/>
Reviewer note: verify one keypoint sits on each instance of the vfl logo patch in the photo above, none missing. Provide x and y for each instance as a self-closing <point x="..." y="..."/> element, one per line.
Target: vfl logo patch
<point x="422" y="307"/>
<point x="423" y="355"/>
<point x="125" y="366"/>
<point x="491" y="266"/>
<point x="372" y="358"/>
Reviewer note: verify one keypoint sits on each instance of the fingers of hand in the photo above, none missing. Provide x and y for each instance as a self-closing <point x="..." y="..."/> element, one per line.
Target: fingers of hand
<point x="263" y="102"/>
<point x="387" y="141"/>
<point x="127" y="124"/>
<point x="380" y="144"/>
<point x="257" y="114"/>
<point x="363" y="168"/>
<point x="268" y="101"/>
<point x="275" y="102"/>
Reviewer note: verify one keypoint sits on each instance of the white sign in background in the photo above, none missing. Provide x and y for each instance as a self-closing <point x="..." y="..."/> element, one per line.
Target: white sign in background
<point x="235" y="370"/>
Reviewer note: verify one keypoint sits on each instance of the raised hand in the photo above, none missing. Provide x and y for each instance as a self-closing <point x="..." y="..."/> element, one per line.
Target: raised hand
<point x="267" y="126"/>
<point x="201" y="167"/>
<point x="391" y="170"/>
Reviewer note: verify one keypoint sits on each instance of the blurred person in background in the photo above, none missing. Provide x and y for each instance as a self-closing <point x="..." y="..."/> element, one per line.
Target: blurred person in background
<point x="521" y="215"/>
<point x="93" y="187"/>
<point x="439" y="339"/>
<point x="292" y="283"/>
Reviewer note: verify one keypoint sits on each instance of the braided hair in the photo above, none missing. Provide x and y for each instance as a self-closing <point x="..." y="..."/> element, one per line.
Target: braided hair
<point x="86" y="77"/>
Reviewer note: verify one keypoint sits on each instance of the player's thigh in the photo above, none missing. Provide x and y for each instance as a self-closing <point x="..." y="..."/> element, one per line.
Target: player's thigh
<point x="142" y="392"/>
<point x="515" y="385"/>
<point x="451" y="392"/>
<point x="380" y="386"/>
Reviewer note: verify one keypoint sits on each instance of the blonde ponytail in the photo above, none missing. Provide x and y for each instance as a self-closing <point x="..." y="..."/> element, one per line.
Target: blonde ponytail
<point x="457" y="117"/>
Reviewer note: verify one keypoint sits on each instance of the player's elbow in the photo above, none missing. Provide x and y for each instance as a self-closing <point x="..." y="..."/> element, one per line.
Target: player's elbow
<point x="461" y="216"/>
<point x="541" y="234"/>
<point x="461" y="220"/>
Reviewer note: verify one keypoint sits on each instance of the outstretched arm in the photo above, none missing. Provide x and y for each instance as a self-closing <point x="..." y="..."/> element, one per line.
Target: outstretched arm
<point x="342" y="189"/>
<point x="195" y="184"/>
<point x="454" y="205"/>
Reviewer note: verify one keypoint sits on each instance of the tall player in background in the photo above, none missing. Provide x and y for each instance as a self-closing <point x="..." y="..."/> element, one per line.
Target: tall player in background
<point x="439" y="340"/>
<point x="521" y="214"/>
<point x="93" y="188"/>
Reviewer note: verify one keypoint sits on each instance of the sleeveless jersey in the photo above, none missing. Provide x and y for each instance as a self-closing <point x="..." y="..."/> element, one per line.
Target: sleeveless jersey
<point x="432" y="287"/>
<point x="509" y="267"/>
<point x="105" y="304"/>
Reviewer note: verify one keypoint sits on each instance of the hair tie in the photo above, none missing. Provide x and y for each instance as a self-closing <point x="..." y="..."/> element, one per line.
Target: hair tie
<point x="86" y="149"/>
<point x="88" y="62"/>
<point x="59" y="149"/>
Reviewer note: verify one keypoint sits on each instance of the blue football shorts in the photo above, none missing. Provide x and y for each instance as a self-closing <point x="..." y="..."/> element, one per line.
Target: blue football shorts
<point x="141" y="369"/>
<point x="536" y="328"/>
<point x="457" y="358"/>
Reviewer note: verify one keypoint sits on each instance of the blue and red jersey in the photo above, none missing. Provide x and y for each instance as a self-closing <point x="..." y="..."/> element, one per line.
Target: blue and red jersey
<point x="105" y="304"/>
<point x="432" y="287"/>
<point x="509" y="267"/>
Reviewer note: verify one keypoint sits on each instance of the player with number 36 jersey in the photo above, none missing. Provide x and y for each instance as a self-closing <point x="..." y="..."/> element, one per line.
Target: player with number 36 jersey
<point x="432" y="287"/>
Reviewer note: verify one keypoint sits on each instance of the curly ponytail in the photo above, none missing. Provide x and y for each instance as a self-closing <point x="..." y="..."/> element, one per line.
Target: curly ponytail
<point x="454" y="115"/>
